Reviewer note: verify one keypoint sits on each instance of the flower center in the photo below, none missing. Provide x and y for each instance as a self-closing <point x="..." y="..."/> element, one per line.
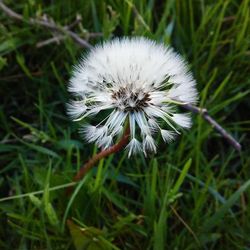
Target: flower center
<point x="130" y="100"/>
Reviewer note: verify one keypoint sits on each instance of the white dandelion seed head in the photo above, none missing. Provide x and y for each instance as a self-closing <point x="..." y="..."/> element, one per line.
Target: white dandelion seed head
<point x="138" y="82"/>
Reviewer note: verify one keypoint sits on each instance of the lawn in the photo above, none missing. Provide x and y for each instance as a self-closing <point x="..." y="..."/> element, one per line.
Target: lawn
<point x="191" y="194"/>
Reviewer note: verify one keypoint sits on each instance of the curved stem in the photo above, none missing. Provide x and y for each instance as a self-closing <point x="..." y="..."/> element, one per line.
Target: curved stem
<point x="90" y="163"/>
<point x="115" y="148"/>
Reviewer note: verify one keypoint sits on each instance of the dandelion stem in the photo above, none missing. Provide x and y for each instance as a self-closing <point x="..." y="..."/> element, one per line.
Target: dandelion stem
<point x="104" y="153"/>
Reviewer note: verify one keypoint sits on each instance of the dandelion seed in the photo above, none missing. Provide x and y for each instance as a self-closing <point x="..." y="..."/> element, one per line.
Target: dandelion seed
<point x="139" y="82"/>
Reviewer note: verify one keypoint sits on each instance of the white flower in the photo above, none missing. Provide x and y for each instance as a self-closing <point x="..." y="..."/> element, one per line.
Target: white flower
<point x="139" y="83"/>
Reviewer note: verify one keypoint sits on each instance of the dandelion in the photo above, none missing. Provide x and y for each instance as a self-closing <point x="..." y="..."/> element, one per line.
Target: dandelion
<point x="133" y="82"/>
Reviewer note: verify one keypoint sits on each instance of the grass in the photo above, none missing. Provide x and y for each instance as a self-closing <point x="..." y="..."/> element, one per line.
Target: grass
<point x="193" y="194"/>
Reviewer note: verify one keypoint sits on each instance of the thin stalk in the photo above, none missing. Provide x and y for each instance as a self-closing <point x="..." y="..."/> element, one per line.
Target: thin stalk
<point x="104" y="153"/>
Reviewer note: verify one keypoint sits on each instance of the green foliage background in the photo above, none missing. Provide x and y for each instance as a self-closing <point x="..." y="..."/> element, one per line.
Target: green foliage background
<point x="193" y="194"/>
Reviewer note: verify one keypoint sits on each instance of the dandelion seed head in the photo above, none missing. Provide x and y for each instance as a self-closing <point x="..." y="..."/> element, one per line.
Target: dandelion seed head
<point x="138" y="82"/>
